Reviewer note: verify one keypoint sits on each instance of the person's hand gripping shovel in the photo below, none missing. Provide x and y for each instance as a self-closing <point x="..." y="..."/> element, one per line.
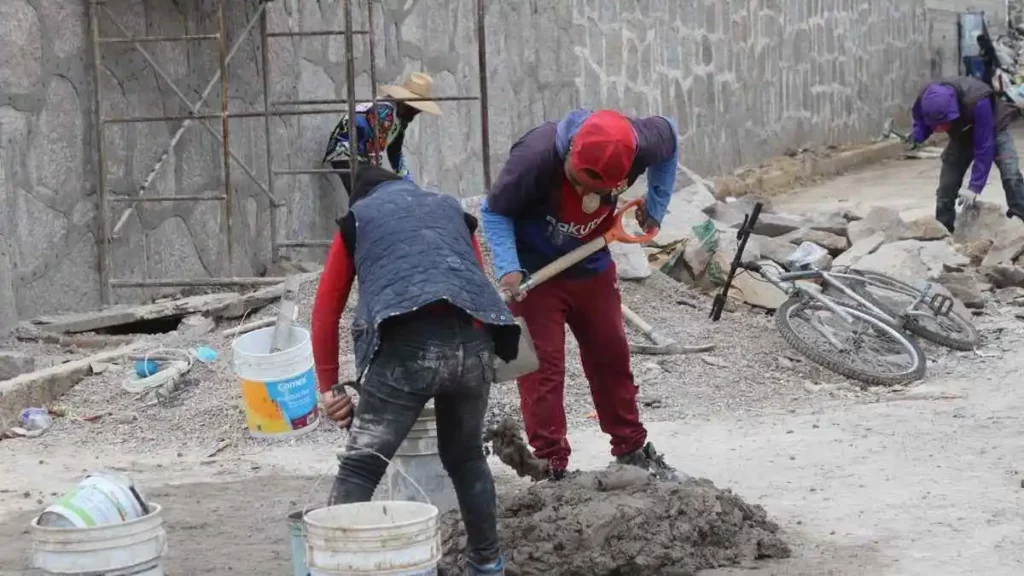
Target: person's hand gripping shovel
<point x="526" y="359"/>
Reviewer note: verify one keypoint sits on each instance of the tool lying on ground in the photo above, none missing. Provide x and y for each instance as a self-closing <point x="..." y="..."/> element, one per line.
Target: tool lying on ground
<point x="526" y="361"/>
<point x="663" y="345"/>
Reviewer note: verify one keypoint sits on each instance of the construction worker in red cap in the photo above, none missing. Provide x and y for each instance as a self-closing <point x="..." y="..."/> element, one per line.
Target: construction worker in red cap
<point x="557" y="191"/>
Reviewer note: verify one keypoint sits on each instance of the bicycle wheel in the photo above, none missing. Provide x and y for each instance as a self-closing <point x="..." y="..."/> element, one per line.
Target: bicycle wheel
<point x="895" y="297"/>
<point x="869" y="349"/>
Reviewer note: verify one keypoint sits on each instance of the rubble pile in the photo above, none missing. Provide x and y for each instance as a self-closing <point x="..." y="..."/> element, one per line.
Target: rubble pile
<point x="698" y="243"/>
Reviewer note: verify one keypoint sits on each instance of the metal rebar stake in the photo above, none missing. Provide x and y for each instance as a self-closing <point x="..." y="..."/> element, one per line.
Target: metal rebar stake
<point x="264" y="28"/>
<point x="485" y="129"/>
<point x="102" y="237"/>
<point x="226" y="148"/>
<point x="376" y="158"/>
<point x="350" y="85"/>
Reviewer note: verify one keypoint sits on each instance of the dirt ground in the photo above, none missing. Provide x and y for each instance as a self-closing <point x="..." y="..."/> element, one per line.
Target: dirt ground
<point x="925" y="481"/>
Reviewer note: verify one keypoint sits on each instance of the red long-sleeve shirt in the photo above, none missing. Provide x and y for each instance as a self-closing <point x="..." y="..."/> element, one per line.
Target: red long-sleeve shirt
<point x="332" y="296"/>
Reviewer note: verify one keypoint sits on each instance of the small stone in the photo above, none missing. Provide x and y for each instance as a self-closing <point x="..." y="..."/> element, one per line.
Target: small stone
<point x="713" y="361"/>
<point x="14" y="364"/>
<point x="126" y="418"/>
<point x="785" y="363"/>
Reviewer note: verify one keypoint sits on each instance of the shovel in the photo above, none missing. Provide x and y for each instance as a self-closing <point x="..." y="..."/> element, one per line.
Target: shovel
<point x="526" y="360"/>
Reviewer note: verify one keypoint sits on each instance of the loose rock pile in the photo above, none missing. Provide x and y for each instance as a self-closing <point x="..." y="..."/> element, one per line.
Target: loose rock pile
<point x="698" y="243"/>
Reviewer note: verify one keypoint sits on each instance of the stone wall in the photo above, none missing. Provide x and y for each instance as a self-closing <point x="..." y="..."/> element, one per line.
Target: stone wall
<point x="745" y="80"/>
<point x="943" y="39"/>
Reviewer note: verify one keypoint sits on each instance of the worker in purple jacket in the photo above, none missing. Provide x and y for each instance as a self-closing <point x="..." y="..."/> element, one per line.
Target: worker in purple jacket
<point x="976" y="121"/>
<point x="557" y="191"/>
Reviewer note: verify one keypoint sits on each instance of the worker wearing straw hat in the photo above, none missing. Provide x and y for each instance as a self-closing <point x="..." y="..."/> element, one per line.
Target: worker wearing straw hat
<point x="391" y="120"/>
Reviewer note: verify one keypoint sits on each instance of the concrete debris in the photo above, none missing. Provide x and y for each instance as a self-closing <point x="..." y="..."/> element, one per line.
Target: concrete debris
<point x="912" y="260"/>
<point x="989" y="223"/>
<point x="14" y="364"/>
<point x="860" y="249"/>
<point x="834" y="222"/>
<point x="123" y="315"/>
<point x="975" y="251"/>
<point x="924" y="228"/>
<point x="1010" y="295"/>
<point x="964" y="287"/>
<point x="706" y="256"/>
<point x="196" y="325"/>
<point x="774" y="225"/>
<point x="879" y="219"/>
<point x="630" y="261"/>
<point x="775" y="249"/>
<point x="686" y="210"/>
<point x="42" y="387"/>
<point x="835" y="245"/>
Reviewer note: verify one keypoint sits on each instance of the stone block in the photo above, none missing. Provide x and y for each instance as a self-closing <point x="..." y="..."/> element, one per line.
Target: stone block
<point x="878" y="219"/>
<point x="913" y="260"/>
<point x="924" y="228"/>
<point x="630" y="261"/>
<point x="834" y="244"/>
<point x="775" y="225"/>
<point x="860" y="249"/>
<point x="15" y="363"/>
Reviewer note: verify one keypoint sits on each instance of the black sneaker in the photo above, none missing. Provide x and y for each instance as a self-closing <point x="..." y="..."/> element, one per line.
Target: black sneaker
<point x="649" y="459"/>
<point x="556" y="474"/>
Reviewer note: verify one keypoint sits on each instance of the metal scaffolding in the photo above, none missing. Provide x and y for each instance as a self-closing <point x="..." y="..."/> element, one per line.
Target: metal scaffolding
<point x="271" y="108"/>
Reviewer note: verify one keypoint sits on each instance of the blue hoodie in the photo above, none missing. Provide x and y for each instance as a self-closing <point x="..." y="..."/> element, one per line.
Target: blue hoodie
<point x="531" y="215"/>
<point x="938" y="105"/>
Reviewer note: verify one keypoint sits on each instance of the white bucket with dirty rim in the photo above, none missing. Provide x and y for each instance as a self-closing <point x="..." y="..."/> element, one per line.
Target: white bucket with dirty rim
<point x="102" y="498"/>
<point x="392" y="538"/>
<point x="132" y="548"/>
<point x="279" y="391"/>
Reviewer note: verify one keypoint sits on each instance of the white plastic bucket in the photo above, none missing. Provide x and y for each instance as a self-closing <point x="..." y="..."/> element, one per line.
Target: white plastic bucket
<point x="100" y="499"/>
<point x="297" y="539"/>
<point x="422" y="438"/>
<point x="133" y="548"/>
<point x="392" y="538"/>
<point x="416" y="468"/>
<point x="279" y="390"/>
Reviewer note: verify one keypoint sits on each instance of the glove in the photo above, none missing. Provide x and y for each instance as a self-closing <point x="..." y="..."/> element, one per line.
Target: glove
<point x="966" y="199"/>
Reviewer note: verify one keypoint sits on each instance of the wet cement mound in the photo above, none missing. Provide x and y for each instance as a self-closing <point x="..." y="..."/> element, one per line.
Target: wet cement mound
<point x="621" y="522"/>
<point x="508" y="445"/>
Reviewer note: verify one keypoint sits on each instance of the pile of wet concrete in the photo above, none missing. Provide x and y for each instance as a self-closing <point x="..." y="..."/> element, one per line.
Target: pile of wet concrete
<point x="621" y="522"/>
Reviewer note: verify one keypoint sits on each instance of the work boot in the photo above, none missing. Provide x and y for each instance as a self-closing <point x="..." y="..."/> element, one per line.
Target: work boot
<point x="496" y="567"/>
<point x="555" y="474"/>
<point x="649" y="459"/>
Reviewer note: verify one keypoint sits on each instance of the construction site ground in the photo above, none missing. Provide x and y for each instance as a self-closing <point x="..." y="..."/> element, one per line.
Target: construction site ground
<point x="924" y="480"/>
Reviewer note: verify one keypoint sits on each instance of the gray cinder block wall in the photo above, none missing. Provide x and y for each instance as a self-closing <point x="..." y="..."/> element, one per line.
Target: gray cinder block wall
<point x="746" y="80"/>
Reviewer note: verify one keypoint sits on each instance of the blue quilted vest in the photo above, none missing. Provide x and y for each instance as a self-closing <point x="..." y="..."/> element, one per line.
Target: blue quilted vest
<point x="413" y="248"/>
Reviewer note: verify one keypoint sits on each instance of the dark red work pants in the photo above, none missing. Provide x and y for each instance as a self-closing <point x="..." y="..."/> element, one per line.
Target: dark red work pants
<point x="591" y="308"/>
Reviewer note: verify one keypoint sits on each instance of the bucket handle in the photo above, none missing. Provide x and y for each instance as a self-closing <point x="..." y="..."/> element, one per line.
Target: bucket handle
<point x="391" y="490"/>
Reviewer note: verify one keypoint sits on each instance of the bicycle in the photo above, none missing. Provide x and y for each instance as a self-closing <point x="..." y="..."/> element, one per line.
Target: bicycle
<point x="835" y="310"/>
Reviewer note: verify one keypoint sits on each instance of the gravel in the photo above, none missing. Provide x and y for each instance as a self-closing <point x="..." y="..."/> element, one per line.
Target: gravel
<point x="751" y="370"/>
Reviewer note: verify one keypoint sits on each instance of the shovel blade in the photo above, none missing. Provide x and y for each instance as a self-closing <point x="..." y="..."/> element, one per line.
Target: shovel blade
<point x="524" y="363"/>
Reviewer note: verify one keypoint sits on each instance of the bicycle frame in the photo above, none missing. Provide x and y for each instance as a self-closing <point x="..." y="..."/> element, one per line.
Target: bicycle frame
<point x="787" y="282"/>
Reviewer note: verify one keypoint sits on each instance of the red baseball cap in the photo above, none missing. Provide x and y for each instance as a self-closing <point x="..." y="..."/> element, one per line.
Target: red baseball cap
<point x="604" y="146"/>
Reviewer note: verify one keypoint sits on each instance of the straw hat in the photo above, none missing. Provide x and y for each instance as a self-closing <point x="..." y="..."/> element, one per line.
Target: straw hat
<point x="417" y="85"/>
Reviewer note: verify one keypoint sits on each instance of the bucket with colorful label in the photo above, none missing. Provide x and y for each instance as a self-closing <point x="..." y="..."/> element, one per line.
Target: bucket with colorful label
<point x="279" y="390"/>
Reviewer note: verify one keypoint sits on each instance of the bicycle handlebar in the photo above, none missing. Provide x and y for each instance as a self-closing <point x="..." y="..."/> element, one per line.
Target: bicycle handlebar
<point x="743" y="234"/>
